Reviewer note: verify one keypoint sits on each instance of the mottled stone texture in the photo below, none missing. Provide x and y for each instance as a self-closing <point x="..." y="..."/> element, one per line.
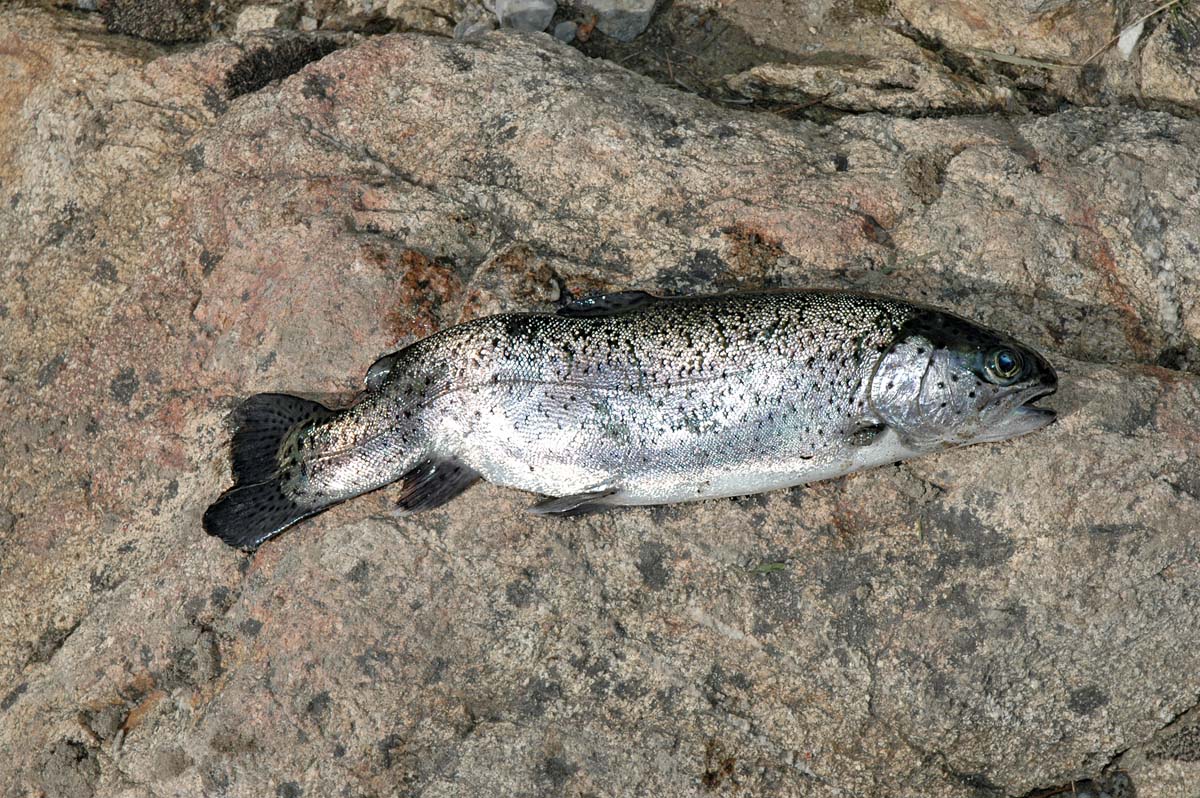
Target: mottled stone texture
<point x="183" y="229"/>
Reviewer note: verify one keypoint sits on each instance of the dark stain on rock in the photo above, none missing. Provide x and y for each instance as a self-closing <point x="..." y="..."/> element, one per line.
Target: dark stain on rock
<point x="214" y="101"/>
<point x="124" y="386"/>
<point x="650" y="565"/>
<point x="104" y="580"/>
<point x="359" y="573"/>
<point x="50" y="641"/>
<point x="194" y="157"/>
<point x="541" y="694"/>
<point x="1086" y="700"/>
<point x="250" y="627"/>
<point x="392" y="749"/>
<point x="437" y="670"/>
<point x="519" y="593"/>
<point x="718" y="681"/>
<point x="316" y="86"/>
<point x="70" y="770"/>
<point x="319" y="704"/>
<point x="718" y="765"/>
<point x="59" y="229"/>
<point x="370" y="658"/>
<point x="557" y="771"/>
<point x="1113" y="536"/>
<point x="48" y="373"/>
<point x="841" y="163"/>
<point x="264" y="65"/>
<point x="13" y="695"/>
<point x="220" y="597"/>
<point x="699" y="270"/>
<point x="105" y="272"/>
<point x="456" y="58"/>
<point x="289" y="789"/>
<point x="968" y="541"/>
<point x="1178" y="742"/>
<point x="208" y="262"/>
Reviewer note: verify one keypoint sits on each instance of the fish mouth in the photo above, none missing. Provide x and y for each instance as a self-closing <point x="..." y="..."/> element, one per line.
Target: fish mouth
<point x="1025" y="417"/>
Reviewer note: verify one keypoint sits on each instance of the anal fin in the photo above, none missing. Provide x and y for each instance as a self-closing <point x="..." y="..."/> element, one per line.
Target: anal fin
<point x="576" y="504"/>
<point x="432" y="483"/>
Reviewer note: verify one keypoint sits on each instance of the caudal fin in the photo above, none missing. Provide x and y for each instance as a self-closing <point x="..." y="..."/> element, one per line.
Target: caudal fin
<point x="256" y="507"/>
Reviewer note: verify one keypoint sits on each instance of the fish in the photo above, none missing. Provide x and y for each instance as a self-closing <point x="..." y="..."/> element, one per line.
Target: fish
<point x="630" y="398"/>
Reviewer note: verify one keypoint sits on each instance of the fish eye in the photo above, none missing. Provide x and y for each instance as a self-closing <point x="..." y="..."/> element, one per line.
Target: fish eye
<point x="1004" y="365"/>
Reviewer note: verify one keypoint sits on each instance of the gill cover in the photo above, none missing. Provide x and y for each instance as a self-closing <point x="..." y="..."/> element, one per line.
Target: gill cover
<point x="949" y="382"/>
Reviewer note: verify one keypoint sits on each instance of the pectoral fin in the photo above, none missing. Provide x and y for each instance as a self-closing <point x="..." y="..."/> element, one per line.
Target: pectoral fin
<point x="576" y="504"/>
<point x="866" y="434"/>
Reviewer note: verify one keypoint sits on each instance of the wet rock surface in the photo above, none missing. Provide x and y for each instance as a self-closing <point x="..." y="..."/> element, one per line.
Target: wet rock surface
<point x="273" y="212"/>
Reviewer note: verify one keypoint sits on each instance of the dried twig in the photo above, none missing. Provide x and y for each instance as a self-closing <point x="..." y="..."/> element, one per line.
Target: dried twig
<point x="1133" y="24"/>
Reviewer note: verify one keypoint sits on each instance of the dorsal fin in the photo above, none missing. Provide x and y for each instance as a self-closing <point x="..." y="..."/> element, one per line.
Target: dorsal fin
<point x="608" y="304"/>
<point x="379" y="371"/>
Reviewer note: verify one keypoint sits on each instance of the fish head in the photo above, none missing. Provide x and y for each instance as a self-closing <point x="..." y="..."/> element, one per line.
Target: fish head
<point x="946" y="381"/>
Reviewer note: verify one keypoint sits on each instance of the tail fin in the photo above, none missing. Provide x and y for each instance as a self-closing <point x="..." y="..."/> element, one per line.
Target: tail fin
<point x="256" y="508"/>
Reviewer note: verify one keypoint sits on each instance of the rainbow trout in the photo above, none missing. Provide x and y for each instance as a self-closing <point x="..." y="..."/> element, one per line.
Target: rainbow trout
<point x="632" y="399"/>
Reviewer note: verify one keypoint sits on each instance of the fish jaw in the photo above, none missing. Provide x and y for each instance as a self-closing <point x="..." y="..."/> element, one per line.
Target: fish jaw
<point x="1025" y="417"/>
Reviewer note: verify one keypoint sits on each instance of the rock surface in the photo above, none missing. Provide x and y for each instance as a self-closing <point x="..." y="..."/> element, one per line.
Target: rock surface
<point x="882" y="71"/>
<point x="1055" y="30"/>
<point x="182" y="229"/>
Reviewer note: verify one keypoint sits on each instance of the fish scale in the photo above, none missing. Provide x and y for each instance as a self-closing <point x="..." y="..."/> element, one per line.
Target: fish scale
<point x="631" y="399"/>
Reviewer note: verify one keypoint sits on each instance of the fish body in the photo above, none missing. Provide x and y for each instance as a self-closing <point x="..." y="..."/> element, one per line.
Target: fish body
<point x="631" y="399"/>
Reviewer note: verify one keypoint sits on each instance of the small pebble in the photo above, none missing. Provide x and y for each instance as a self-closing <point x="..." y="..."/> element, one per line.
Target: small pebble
<point x="565" y="31"/>
<point x="473" y="28"/>
<point x="264" y="17"/>
<point x="307" y="23"/>
<point x="623" y="20"/>
<point x="531" y="16"/>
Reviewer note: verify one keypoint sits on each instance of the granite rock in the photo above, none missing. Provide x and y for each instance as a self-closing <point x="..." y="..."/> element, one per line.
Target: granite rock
<point x="184" y="228"/>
